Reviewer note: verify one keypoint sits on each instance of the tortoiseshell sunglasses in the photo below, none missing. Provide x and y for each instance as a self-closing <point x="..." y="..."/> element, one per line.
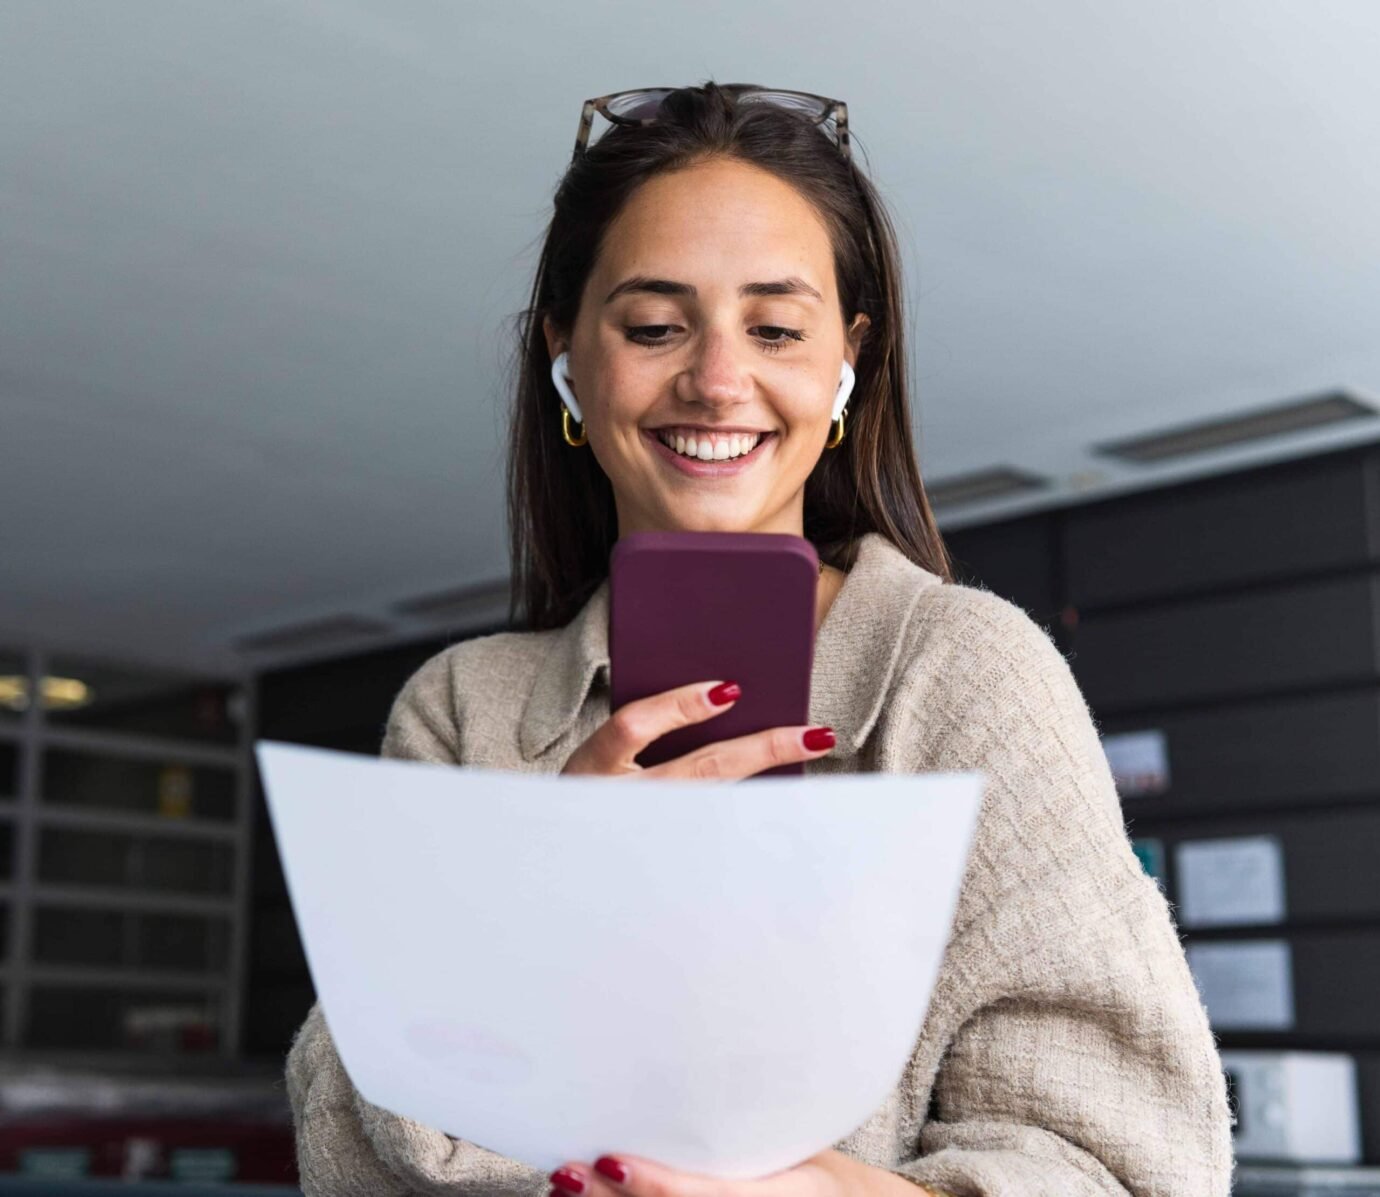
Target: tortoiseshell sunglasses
<point x="640" y="105"/>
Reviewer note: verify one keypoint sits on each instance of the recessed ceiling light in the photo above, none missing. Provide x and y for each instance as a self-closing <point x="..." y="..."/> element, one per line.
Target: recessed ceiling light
<point x="980" y="486"/>
<point x="59" y="693"/>
<point x="314" y="634"/>
<point x="1261" y="423"/>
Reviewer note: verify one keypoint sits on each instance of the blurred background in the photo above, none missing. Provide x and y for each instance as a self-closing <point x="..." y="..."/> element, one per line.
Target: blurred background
<point x="259" y="270"/>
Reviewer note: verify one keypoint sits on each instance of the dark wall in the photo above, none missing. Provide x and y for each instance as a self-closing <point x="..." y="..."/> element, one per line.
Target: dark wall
<point x="341" y="704"/>
<point x="1240" y="617"/>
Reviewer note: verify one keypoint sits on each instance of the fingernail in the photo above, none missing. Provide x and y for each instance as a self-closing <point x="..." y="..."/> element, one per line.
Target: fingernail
<point x="606" y="1165"/>
<point x="565" y="1180"/>
<point x="725" y="692"/>
<point x="819" y="737"/>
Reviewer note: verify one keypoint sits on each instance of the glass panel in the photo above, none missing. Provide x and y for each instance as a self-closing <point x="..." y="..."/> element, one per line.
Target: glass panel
<point x="182" y="941"/>
<point x="70" y="857"/>
<point x="14" y="685"/>
<point x="63" y="1017"/>
<point x="110" y="698"/>
<point x="89" y="937"/>
<point x="9" y="772"/>
<point x="75" y="778"/>
<point x="130" y="939"/>
<point x="188" y="866"/>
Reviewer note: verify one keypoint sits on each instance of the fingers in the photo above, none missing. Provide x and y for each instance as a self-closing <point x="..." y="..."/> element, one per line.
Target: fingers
<point x="634" y="1176"/>
<point x="743" y="756"/>
<point x="613" y="747"/>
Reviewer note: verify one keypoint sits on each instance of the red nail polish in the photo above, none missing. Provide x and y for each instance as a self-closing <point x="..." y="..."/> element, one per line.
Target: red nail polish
<point x="725" y="692"/>
<point x="606" y="1165"/>
<point x="565" y="1180"/>
<point x="819" y="737"/>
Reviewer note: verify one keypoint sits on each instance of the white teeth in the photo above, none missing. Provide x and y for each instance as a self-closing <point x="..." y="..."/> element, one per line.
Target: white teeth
<point x="708" y="450"/>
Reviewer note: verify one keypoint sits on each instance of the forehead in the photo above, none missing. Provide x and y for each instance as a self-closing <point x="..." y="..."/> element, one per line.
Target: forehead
<point x="714" y="221"/>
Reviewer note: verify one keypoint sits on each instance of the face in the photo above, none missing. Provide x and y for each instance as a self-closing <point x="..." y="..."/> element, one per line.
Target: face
<point x="675" y="339"/>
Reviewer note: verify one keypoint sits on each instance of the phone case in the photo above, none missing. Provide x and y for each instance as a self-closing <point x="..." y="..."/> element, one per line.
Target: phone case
<point x="694" y="606"/>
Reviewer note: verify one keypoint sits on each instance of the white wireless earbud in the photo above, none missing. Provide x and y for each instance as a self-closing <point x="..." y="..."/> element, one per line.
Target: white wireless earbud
<point x="846" y="379"/>
<point x="562" y="381"/>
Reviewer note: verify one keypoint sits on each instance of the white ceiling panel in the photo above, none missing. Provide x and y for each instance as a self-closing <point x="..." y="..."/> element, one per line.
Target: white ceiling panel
<point x="259" y="264"/>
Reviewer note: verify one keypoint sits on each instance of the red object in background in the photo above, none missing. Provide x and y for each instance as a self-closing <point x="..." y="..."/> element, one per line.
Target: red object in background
<point x="263" y="1151"/>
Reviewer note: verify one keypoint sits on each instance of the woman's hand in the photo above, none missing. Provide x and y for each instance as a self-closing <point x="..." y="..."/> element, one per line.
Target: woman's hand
<point x="610" y="750"/>
<point x="828" y="1174"/>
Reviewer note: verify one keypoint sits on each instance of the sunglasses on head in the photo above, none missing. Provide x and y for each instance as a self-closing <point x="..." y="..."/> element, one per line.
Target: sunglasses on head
<point x="641" y="105"/>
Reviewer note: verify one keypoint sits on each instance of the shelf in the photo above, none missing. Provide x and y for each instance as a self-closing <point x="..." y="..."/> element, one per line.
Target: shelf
<point x="141" y="747"/>
<point x="1291" y="1180"/>
<point x="146" y="901"/>
<point x="76" y="976"/>
<point x="95" y="819"/>
<point x="81" y="796"/>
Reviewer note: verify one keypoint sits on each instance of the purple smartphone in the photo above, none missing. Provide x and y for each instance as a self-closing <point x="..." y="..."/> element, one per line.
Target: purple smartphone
<point x="694" y="606"/>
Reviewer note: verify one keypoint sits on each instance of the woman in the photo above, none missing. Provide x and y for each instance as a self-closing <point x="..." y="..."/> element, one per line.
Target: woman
<point x="718" y="268"/>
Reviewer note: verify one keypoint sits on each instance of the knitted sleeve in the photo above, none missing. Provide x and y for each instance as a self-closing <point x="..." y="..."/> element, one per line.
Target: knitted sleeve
<point x="346" y="1146"/>
<point x="1076" y="1053"/>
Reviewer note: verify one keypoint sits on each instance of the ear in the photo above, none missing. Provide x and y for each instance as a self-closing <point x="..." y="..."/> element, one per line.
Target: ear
<point x="555" y="343"/>
<point x="857" y="332"/>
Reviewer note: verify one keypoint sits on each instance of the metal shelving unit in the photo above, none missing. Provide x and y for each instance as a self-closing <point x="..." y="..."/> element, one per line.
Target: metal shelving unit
<point x="121" y="901"/>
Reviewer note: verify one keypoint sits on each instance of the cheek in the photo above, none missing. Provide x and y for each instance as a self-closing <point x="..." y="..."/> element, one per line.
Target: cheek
<point x="622" y="401"/>
<point x="627" y="388"/>
<point x="805" y="403"/>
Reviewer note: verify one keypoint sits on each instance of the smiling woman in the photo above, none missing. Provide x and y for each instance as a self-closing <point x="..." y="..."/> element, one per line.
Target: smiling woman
<point x="718" y="289"/>
<point x="715" y="269"/>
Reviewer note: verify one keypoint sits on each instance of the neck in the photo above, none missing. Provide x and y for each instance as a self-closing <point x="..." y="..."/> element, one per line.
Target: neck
<point x="830" y="583"/>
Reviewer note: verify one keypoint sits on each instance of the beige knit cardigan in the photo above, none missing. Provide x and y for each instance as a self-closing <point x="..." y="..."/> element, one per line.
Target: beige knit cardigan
<point x="1065" y="1051"/>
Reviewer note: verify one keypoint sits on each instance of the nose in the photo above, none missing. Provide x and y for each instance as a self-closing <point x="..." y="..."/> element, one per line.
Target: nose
<point x="718" y="373"/>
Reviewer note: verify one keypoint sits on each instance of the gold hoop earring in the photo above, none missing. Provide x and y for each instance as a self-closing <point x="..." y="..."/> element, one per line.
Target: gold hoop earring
<point x="833" y="441"/>
<point x="565" y="429"/>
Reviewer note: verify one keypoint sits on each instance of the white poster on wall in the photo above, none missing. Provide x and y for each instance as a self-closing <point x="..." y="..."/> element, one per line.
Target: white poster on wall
<point x="1139" y="762"/>
<point x="1230" y="882"/>
<point x="1246" y="985"/>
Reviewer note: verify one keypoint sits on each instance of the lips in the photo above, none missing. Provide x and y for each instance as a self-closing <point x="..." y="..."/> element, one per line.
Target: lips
<point x="718" y="446"/>
<point x="696" y="468"/>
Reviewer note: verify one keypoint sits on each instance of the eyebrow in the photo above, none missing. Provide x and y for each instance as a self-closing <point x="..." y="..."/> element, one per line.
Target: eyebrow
<point x="665" y="286"/>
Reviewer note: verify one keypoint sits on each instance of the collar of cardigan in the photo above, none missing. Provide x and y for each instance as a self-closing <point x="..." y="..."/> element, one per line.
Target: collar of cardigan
<point x="857" y="650"/>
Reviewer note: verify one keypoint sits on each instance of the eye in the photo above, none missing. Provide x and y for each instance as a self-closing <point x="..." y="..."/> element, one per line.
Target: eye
<point x="774" y="344"/>
<point x="773" y="337"/>
<point x="648" y="334"/>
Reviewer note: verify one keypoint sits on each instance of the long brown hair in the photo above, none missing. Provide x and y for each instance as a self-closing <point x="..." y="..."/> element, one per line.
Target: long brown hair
<point x="561" y="516"/>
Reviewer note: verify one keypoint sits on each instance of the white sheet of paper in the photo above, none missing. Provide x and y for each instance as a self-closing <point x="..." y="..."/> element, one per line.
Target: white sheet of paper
<point x="727" y="978"/>
<point x="1230" y="881"/>
<point x="1246" y="985"/>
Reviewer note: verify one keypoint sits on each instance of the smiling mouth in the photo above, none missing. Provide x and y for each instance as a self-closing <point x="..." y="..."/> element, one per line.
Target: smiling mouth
<point x="708" y="447"/>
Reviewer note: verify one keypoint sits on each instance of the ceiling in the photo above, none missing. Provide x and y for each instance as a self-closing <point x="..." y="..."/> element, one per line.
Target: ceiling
<point x="259" y="265"/>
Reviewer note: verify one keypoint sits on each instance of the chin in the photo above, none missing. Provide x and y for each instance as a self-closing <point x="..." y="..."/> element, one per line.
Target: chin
<point x="713" y="525"/>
